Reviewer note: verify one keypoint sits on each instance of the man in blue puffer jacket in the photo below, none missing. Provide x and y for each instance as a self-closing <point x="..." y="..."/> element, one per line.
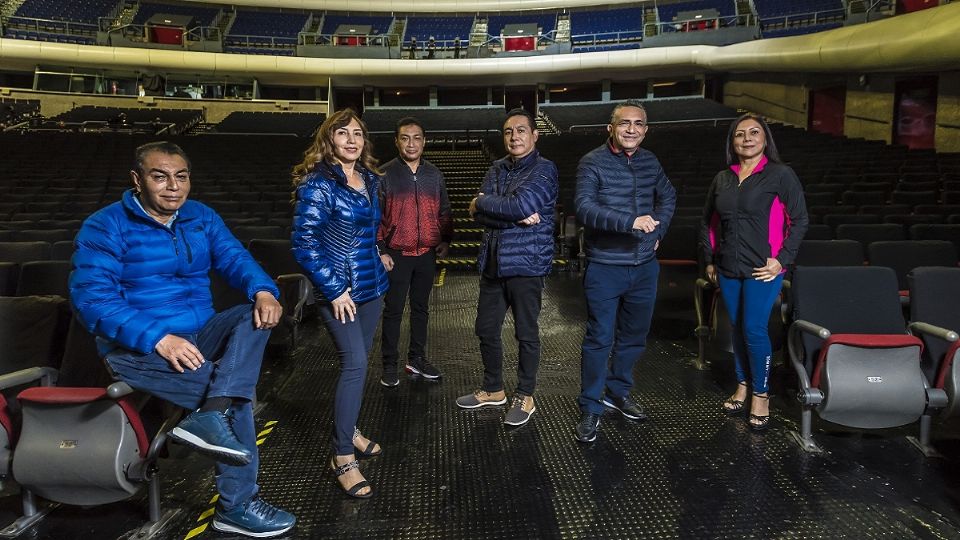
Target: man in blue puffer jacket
<point x="625" y="203"/>
<point x="140" y="283"/>
<point x="516" y="207"/>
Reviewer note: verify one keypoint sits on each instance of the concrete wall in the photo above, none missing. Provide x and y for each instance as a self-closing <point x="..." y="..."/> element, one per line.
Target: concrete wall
<point x="782" y="101"/>
<point x="870" y="102"/>
<point x="215" y="110"/>
<point x="948" y="113"/>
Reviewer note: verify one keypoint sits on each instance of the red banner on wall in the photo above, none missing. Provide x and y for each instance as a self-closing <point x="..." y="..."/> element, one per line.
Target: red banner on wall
<point x="525" y="43"/>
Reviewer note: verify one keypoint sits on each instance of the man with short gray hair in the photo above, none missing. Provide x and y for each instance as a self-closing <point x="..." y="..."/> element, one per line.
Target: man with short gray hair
<point x="625" y="202"/>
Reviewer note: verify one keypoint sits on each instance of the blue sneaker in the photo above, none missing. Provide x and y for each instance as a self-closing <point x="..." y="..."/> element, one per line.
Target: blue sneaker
<point x="210" y="432"/>
<point x="256" y="518"/>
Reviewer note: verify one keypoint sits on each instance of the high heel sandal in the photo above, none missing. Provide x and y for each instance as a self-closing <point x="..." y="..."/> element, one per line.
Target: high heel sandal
<point x="732" y="406"/>
<point x="340" y="470"/>
<point x="368" y="451"/>
<point x="756" y="421"/>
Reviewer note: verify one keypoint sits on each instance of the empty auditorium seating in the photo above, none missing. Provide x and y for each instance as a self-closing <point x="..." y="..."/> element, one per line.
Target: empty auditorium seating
<point x="302" y="124"/>
<point x="296" y="291"/>
<point x="855" y="364"/>
<point x="251" y="27"/>
<point x="905" y="255"/>
<point x="201" y="16"/>
<point x="597" y="26"/>
<point x="936" y="321"/>
<point x="870" y="232"/>
<point x="441" y="28"/>
<point x="44" y="278"/>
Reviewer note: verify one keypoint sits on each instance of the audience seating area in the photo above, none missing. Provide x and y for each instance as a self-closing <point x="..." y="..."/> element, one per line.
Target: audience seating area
<point x="607" y="25"/>
<point x="437" y="119"/>
<point x="379" y="24"/>
<point x="76" y="10"/>
<point x="666" y="110"/>
<point x="301" y="124"/>
<point x="546" y="22"/>
<point x="276" y="32"/>
<point x="264" y="28"/>
<point x="202" y="16"/>
<point x="440" y="28"/>
<point x="669" y="12"/>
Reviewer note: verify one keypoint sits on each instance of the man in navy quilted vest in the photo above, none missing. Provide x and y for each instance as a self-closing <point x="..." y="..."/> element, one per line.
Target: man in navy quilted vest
<point x="625" y="203"/>
<point x="516" y="207"/>
<point x="140" y="283"/>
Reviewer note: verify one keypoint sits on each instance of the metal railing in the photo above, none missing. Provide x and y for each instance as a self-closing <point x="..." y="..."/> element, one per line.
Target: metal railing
<point x="273" y="42"/>
<point x="802" y="19"/>
<point x="603" y="38"/>
<point x="50" y="26"/>
<point x="360" y="40"/>
<point x="714" y="121"/>
<point x="696" y="25"/>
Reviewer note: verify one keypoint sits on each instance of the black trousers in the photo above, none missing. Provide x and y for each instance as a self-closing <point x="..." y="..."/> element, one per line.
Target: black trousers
<point x="523" y="295"/>
<point x="413" y="274"/>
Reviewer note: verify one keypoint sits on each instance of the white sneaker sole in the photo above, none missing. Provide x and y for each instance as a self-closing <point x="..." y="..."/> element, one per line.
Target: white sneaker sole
<point x="185" y="437"/>
<point x="394" y="385"/>
<point x="226" y="527"/>
<point x="415" y="371"/>
<point x="610" y="404"/>
<point x="482" y="404"/>
<point x="591" y="439"/>
<point x="525" y="420"/>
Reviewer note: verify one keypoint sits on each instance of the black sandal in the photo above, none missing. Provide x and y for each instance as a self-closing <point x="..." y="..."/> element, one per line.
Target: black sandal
<point x="757" y="422"/>
<point x="340" y="470"/>
<point x="368" y="451"/>
<point x="733" y="406"/>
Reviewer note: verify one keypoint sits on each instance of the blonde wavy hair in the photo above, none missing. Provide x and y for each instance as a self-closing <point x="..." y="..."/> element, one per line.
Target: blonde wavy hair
<point x="322" y="148"/>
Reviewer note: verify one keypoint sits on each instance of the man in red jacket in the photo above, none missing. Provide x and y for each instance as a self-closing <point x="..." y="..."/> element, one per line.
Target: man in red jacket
<point x="415" y="230"/>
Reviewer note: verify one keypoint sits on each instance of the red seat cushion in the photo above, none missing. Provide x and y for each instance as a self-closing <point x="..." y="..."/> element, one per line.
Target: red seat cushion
<point x="867" y="341"/>
<point x="56" y="395"/>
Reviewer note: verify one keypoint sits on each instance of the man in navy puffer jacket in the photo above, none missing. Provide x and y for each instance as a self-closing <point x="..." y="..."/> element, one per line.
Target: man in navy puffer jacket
<point x="140" y="284"/>
<point x="625" y="202"/>
<point x="516" y="207"/>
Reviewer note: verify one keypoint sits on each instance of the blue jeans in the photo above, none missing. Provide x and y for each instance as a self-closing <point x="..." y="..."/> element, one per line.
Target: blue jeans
<point x="619" y="310"/>
<point x="353" y="341"/>
<point x="233" y="350"/>
<point x="749" y="303"/>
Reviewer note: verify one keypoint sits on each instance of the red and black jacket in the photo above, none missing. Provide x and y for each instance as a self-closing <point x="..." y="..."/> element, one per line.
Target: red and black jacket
<point x="416" y="208"/>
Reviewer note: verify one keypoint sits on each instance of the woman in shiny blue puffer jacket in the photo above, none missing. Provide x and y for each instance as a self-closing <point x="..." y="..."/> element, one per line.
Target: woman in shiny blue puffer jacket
<point x="335" y="241"/>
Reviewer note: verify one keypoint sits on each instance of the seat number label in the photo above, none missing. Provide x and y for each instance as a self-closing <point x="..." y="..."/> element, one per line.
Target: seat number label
<point x="68" y="445"/>
<point x="875" y="379"/>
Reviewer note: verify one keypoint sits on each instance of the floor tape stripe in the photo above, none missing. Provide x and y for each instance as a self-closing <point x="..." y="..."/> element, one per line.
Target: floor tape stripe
<point x="199" y="530"/>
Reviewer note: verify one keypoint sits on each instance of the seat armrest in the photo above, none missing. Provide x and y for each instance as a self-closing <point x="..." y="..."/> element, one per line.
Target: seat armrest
<point x="299" y="283"/>
<point x="936" y="398"/>
<point x="705" y="284"/>
<point x="46" y="375"/>
<point x="812" y="329"/>
<point x="931" y="330"/>
<point x="810" y="396"/>
<point x="119" y="389"/>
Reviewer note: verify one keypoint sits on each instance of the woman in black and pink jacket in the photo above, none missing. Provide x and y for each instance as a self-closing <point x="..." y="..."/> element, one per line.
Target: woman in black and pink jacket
<point x="753" y="222"/>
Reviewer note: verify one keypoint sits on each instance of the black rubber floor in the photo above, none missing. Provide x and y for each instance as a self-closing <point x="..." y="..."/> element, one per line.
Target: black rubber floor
<point x="689" y="472"/>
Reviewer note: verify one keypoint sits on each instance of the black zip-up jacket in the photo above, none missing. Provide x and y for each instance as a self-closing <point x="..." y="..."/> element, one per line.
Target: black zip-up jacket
<point x="745" y="224"/>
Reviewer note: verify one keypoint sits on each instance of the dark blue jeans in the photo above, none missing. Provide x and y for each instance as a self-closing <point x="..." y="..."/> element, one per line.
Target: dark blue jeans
<point x="749" y="303"/>
<point x="353" y="340"/>
<point x="619" y="310"/>
<point x="233" y="350"/>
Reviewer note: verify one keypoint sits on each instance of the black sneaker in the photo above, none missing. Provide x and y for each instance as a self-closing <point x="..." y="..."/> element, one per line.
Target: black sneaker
<point x="421" y="366"/>
<point x="627" y="407"/>
<point x="390" y="378"/>
<point x="586" y="430"/>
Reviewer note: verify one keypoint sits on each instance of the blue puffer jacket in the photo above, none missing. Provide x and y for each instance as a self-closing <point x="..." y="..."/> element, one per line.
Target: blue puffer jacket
<point x="135" y="281"/>
<point x="335" y="235"/>
<point x="513" y="191"/>
<point x="613" y="189"/>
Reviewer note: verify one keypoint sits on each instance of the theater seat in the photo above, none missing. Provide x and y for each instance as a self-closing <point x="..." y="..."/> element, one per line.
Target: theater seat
<point x="295" y="289"/>
<point x="936" y="321"/>
<point x="856" y="364"/>
<point x="86" y="447"/>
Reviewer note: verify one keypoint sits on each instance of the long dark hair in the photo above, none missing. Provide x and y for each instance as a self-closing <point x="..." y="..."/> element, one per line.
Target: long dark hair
<point x="770" y="149"/>
<point x="322" y="148"/>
